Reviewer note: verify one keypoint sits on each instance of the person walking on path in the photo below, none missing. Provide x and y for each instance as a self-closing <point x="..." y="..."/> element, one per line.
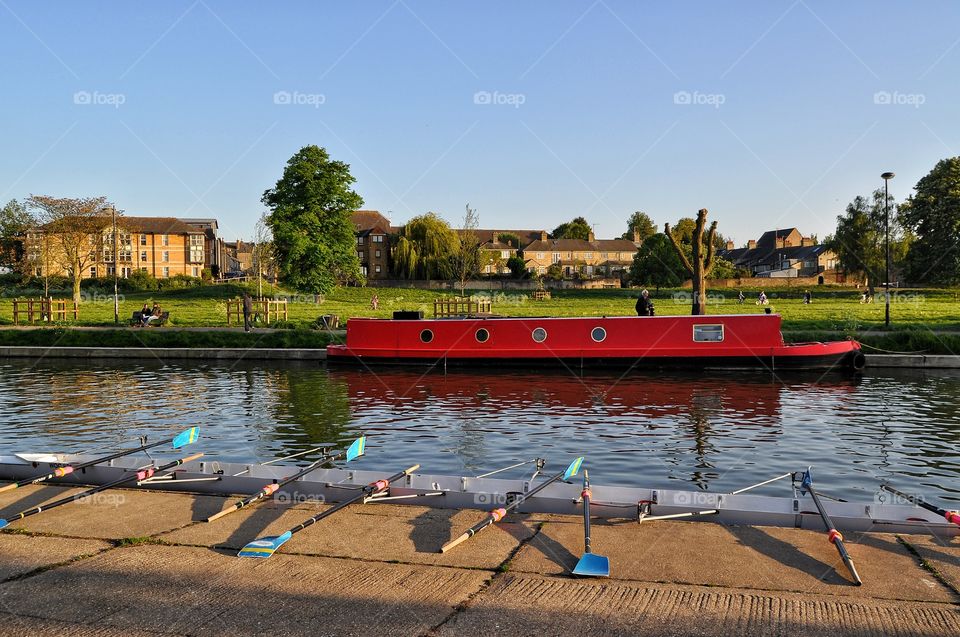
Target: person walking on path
<point x="740" y="297"/>
<point x="375" y="302"/>
<point x="807" y="297"/>
<point x="247" y="312"/>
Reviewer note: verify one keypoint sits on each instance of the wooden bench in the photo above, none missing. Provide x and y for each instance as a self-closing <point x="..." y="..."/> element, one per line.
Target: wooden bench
<point x="137" y="319"/>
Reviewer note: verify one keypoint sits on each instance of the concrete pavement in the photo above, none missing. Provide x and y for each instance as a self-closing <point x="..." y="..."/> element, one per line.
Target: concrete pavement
<point x="143" y="563"/>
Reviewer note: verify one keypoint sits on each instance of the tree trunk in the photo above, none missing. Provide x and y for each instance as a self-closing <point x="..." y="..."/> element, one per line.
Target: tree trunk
<point x="76" y="285"/>
<point x="699" y="296"/>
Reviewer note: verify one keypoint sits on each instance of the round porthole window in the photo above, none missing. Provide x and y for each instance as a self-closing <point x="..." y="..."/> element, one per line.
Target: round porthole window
<point x="539" y="335"/>
<point x="598" y="334"/>
<point x="426" y="336"/>
<point x="482" y="335"/>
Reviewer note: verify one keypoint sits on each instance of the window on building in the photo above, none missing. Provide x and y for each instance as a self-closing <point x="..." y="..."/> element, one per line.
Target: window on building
<point x="378" y="254"/>
<point x="166" y="273"/>
<point x="93" y="272"/>
<point x="143" y="239"/>
<point x="378" y="238"/>
<point x="196" y="271"/>
<point x="539" y="256"/>
<point x="587" y="255"/>
<point x="359" y="241"/>
<point x="363" y="270"/>
<point x="505" y="254"/>
<point x="556" y="257"/>
<point x="360" y="255"/>
<point x="143" y="255"/>
<point x="143" y="269"/>
<point x="166" y="257"/>
<point x="196" y="248"/>
<point x="165" y="239"/>
<point x="111" y="269"/>
<point x="376" y="269"/>
<point x="126" y="272"/>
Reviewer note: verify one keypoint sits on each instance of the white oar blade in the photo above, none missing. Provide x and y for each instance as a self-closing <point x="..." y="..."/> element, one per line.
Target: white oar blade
<point x="573" y="469"/>
<point x="356" y="449"/>
<point x="186" y="437"/>
<point x="265" y="546"/>
<point x="591" y="565"/>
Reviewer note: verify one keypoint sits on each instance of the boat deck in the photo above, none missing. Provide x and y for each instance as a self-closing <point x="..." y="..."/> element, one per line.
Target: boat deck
<point x="134" y="562"/>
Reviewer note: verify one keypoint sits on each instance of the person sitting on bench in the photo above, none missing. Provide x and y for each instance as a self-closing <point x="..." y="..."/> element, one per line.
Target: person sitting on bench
<point x="153" y="315"/>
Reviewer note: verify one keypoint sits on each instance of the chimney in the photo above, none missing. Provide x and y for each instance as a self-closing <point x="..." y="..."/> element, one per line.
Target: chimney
<point x="636" y="236"/>
<point x="543" y="235"/>
<point x="590" y="237"/>
<point x="494" y="237"/>
<point x="729" y="245"/>
<point x="752" y="244"/>
<point x="805" y="242"/>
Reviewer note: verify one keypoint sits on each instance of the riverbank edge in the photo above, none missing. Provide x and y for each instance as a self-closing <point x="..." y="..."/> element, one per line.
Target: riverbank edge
<point x="876" y="361"/>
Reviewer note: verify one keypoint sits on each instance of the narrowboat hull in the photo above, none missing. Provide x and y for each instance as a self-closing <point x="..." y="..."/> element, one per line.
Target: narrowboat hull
<point x="691" y="342"/>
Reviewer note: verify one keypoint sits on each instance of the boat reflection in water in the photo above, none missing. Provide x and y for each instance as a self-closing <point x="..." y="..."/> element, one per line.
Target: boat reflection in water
<point x="636" y="429"/>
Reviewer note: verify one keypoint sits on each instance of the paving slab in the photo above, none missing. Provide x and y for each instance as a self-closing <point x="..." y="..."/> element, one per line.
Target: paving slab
<point x="943" y="554"/>
<point x="519" y="604"/>
<point x="384" y="532"/>
<point x="199" y="591"/>
<point x="20" y="626"/>
<point x="110" y="514"/>
<point x="21" y="554"/>
<point x="760" y="558"/>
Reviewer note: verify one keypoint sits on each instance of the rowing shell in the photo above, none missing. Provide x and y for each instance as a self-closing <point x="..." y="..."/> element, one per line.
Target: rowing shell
<point x="334" y="485"/>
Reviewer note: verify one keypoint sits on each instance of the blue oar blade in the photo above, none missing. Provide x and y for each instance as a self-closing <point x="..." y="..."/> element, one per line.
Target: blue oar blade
<point x="186" y="437"/>
<point x="265" y="546"/>
<point x="573" y="469"/>
<point x="356" y="449"/>
<point x="591" y="565"/>
<point x="4" y="524"/>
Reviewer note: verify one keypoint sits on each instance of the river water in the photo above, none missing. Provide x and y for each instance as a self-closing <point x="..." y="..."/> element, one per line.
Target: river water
<point x="717" y="432"/>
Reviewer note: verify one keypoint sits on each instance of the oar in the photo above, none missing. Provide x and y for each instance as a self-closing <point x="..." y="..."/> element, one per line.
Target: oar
<point x="180" y="440"/>
<point x="951" y="516"/>
<point x="137" y="476"/>
<point x="356" y="449"/>
<point x="267" y="546"/>
<point x="590" y="564"/>
<point x="673" y="516"/>
<point x="832" y="533"/>
<point x="497" y="514"/>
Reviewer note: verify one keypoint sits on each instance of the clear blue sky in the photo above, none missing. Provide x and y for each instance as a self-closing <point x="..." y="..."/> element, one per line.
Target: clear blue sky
<point x="782" y="129"/>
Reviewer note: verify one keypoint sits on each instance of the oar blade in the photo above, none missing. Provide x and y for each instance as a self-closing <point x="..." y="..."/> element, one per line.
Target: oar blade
<point x="592" y="565"/>
<point x="186" y="437"/>
<point x="265" y="546"/>
<point x="573" y="469"/>
<point x="4" y="524"/>
<point x="356" y="449"/>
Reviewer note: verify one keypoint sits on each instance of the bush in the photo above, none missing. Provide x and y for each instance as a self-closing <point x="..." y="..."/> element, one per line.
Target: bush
<point x="140" y="281"/>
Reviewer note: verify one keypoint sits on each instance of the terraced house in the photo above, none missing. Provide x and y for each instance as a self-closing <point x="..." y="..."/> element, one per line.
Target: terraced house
<point x="593" y="257"/>
<point x="161" y="246"/>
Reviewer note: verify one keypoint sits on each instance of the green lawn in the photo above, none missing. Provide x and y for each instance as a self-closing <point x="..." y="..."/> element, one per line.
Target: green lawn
<point x="832" y="310"/>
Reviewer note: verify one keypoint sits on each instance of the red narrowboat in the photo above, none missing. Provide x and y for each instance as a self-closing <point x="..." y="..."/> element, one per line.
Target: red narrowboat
<point x="722" y="341"/>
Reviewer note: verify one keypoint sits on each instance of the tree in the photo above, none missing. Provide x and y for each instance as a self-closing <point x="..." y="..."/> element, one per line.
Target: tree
<point x="859" y="241"/>
<point x="517" y="266"/>
<point x="466" y="258"/>
<point x="933" y="213"/>
<point x="641" y="224"/>
<point x="15" y="222"/>
<point x="262" y="252"/>
<point x="722" y="269"/>
<point x="701" y="259"/>
<point x="578" y="228"/>
<point x="656" y="264"/>
<point x="510" y="239"/>
<point x="73" y="232"/>
<point x="310" y="206"/>
<point x="425" y="249"/>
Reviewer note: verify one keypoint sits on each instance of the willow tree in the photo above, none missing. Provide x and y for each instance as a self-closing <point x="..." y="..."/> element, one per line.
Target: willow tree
<point x="425" y="249"/>
<point x="701" y="259"/>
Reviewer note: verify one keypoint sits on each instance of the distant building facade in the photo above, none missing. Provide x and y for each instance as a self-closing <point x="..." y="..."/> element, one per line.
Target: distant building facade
<point x="593" y="257"/>
<point x="373" y="232"/>
<point x="782" y="254"/>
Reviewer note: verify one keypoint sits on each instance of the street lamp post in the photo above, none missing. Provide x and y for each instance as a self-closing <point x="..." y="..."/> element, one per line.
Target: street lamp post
<point x="116" y="265"/>
<point x="886" y="229"/>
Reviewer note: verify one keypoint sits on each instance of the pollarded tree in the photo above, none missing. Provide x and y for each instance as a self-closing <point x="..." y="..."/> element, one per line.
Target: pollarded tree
<point x="314" y="240"/>
<point x="466" y="258"/>
<point x="701" y="259"/>
<point x="73" y="232"/>
<point x="933" y="213"/>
